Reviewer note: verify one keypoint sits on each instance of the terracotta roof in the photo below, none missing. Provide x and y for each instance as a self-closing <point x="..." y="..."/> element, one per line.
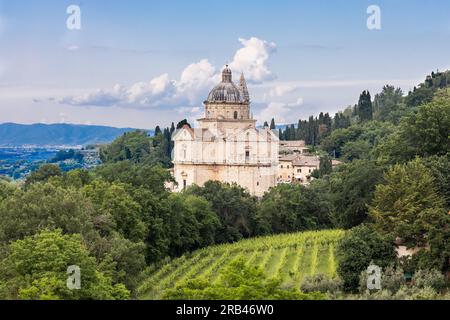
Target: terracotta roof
<point x="289" y="157"/>
<point x="307" y="162"/>
<point x="335" y="162"/>
<point x="294" y="143"/>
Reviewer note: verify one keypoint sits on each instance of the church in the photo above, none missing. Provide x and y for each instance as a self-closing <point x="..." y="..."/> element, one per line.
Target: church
<point x="227" y="146"/>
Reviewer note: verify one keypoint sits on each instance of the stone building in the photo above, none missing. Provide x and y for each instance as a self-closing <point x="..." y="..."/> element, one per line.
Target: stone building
<point x="295" y="146"/>
<point x="227" y="146"/>
<point x="297" y="168"/>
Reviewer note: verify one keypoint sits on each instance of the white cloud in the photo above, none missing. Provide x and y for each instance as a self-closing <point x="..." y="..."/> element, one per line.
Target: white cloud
<point x="252" y="59"/>
<point x="194" y="82"/>
<point x="99" y="98"/>
<point x="196" y="79"/>
<point x="191" y="114"/>
<point x="281" y="90"/>
<point x="192" y="87"/>
<point x="73" y="48"/>
<point x="139" y="95"/>
<point x="150" y="93"/>
<point x="279" y="111"/>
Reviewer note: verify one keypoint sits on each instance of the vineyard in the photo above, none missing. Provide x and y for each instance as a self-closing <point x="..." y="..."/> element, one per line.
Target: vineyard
<point x="289" y="256"/>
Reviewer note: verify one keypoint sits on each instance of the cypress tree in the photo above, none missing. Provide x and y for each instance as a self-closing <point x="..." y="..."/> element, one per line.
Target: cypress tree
<point x="272" y="124"/>
<point x="365" y="108"/>
<point x="157" y="131"/>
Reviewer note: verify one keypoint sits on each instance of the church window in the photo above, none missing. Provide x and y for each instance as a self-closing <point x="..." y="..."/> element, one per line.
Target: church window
<point x="281" y="166"/>
<point x="184" y="184"/>
<point x="184" y="152"/>
<point x="247" y="155"/>
<point x="299" y="170"/>
<point x="235" y="115"/>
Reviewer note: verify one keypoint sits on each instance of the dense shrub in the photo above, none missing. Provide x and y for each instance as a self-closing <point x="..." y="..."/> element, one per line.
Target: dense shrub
<point x="361" y="247"/>
<point x="321" y="283"/>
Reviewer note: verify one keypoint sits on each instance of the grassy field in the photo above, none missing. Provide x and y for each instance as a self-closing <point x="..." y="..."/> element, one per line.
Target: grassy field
<point x="289" y="256"/>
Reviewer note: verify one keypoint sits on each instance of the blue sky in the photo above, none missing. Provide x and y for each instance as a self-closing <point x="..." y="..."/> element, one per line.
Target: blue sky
<point x="143" y="63"/>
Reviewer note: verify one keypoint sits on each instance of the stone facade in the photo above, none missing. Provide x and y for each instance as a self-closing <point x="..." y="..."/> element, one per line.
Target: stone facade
<point x="298" y="167"/>
<point x="226" y="146"/>
<point x="296" y="146"/>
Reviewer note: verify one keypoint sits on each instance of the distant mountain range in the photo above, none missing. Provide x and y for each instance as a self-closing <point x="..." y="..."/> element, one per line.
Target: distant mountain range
<point x="12" y="134"/>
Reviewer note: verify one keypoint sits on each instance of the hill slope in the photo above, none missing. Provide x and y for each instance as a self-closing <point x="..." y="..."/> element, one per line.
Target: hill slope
<point x="12" y="134"/>
<point x="289" y="256"/>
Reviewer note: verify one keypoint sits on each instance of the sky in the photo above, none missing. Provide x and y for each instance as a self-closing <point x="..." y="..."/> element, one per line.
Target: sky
<point x="145" y="63"/>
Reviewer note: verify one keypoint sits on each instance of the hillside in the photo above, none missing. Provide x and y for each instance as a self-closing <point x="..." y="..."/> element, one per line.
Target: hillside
<point x="289" y="256"/>
<point x="12" y="134"/>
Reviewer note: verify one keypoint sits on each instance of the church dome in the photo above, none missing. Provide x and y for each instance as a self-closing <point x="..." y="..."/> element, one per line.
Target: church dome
<point x="226" y="91"/>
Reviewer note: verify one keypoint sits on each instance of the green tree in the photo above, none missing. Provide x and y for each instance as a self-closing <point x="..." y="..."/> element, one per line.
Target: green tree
<point x="350" y="188"/>
<point x="422" y="133"/>
<point x="361" y="247"/>
<point x="133" y="146"/>
<point x="97" y="212"/>
<point x="272" y="124"/>
<point x="207" y="219"/>
<point x="233" y="205"/>
<point x="75" y="178"/>
<point x="419" y="96"/>
<point x="123" y="260"/>
<point x="7" y="189"/>
<point x="359" y="149"/>
<point x="364" y="108"/>
<point x="407" y="204"/>
<point x="158" y="131"/>
<point x="334" y="143"/>
<point x="152" y="178"/>
<point x="290" y="208"/>
<point x="43" y="174"/>
<point x="36" y="269"/>
<point x="238" y="281"/>
<point x="117" y="208"/>
<point x="427" y="131"/>
<point x="43" y="206"/>
<point x="325" y="166"/>
<point x="190" y="217"/>
<point x="388" y="103"/>
<point x="182" y="123"/>
<point x="340" y="121"/>
<point x="439" y="167"/>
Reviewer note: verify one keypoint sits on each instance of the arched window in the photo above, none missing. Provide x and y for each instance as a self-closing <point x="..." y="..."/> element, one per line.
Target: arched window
<point x="235" y="115"/>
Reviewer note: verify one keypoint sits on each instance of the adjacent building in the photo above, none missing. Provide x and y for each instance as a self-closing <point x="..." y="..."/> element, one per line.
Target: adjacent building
<point x="298" y="167"/>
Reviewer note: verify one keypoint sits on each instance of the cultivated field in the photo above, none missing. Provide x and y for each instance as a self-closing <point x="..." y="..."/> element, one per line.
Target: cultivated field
<point x="289" y="256"/>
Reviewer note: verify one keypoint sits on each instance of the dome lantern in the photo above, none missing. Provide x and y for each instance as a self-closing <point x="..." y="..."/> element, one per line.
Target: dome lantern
<point x="227" y="75"/>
